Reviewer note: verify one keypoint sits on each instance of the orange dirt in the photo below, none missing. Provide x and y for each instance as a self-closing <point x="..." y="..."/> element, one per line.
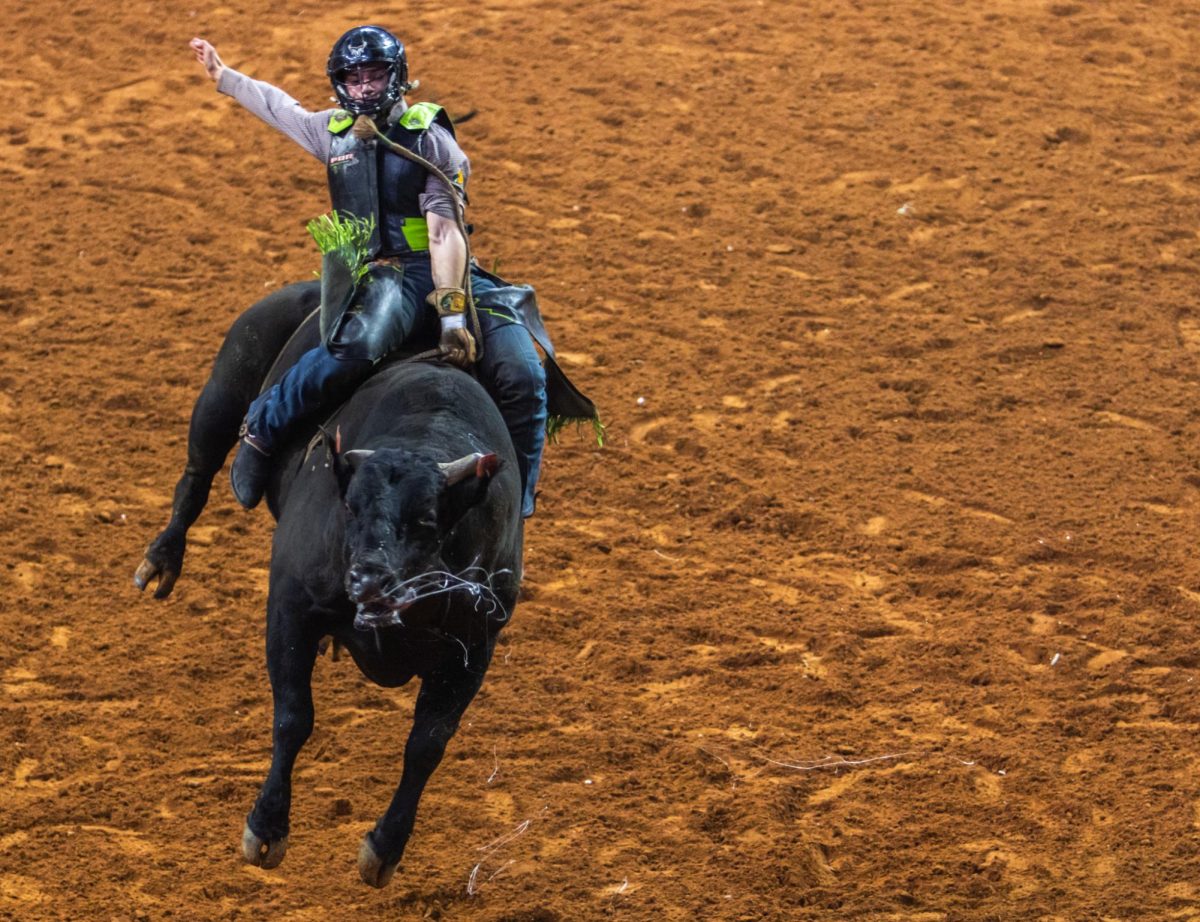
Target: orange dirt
<point x="908" y="292"/>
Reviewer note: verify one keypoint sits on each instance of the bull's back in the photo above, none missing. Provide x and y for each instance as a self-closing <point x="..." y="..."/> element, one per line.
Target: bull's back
<point x="259" y="334"/>
<point x="431" y="401"/>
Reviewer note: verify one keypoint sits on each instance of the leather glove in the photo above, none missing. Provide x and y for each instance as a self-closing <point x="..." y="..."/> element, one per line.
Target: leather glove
<point x="448" y="301"/>
<point x="457" y="345"/>
<point x="364" y="128"/>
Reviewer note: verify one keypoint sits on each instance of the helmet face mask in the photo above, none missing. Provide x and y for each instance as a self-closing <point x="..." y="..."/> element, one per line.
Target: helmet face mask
<point x="364" y="47"/>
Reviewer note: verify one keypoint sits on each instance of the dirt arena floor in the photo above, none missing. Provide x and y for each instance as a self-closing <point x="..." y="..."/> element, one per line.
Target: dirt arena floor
<point x="880" y="603"/>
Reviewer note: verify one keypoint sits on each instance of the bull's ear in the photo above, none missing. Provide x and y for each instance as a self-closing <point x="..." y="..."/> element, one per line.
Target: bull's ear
<point x="343" y="472"/>
<point x="345" y="463"/>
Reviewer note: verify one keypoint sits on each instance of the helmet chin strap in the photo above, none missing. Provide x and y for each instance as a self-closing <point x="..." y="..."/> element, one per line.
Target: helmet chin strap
<point x="403" y="88"/>
<point x="360" y="129"/>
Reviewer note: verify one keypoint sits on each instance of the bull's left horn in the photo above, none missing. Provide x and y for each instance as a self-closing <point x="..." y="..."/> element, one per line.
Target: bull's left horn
<point x="463" y="468"/>
<point x="357" y="456"/>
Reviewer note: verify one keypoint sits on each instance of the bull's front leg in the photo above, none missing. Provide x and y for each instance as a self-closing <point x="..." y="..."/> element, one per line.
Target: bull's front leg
<point x="443" y="699"/>
<point x="291" y="652"/>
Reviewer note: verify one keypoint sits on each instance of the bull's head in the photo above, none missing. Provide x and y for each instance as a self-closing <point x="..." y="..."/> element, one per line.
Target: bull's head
<point x="400" y="506"/>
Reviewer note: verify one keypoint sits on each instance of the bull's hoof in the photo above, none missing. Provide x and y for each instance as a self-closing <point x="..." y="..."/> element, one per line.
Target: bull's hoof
<point x="148" y="570"/>
<point x="262" y="854"/>
<point x="370" y="868"/>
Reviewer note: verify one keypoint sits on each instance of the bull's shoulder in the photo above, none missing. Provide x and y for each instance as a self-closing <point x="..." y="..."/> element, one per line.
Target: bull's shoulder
<point x="285" y="308"/>
<point x="433" y="385"/>
<point x="437" y="398"/>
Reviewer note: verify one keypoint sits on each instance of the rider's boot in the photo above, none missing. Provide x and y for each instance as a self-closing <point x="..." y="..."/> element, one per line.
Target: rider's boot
<point x="251" y="470"/>
<point x="530" y="469"/>
<point x="318" y="381"/>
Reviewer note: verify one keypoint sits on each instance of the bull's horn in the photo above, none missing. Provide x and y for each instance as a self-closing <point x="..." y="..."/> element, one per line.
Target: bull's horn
<point x="467" y="466"/>
<point x="357" y="456"/>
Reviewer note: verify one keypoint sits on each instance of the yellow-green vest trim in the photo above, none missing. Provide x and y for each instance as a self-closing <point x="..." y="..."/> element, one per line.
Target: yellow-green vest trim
<point x="416" y="233"/>
<point x="417" y="117"/>
<point x="420" y="116"/>
<point x="340" y="121"/>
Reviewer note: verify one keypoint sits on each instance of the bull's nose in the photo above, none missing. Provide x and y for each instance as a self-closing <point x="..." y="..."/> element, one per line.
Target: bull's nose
<point x="360" y="584"/>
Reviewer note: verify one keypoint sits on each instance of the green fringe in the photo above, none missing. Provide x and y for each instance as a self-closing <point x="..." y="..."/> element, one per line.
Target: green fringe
<point x="556" y="424"/>
<point x="347" y="237"/>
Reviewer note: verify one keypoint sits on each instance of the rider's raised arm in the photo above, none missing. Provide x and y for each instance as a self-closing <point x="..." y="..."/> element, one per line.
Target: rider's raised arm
<point x="280" y="111"/>
<point x="269" y="103"/>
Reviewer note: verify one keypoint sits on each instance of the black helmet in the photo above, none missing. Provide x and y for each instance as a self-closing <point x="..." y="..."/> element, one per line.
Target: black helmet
<point x="364" y="45"/>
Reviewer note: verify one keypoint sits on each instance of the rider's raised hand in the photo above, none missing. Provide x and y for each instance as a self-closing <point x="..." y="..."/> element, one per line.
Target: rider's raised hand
<point x="207" y="55"/>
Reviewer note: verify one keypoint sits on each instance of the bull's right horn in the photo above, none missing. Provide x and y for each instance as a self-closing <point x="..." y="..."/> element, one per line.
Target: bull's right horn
<point x="462" y="468"/>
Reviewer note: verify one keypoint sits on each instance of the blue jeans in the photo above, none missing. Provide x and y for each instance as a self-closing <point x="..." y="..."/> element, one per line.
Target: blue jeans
<point x="327" y="375"/>
<point x="511" y="372"/>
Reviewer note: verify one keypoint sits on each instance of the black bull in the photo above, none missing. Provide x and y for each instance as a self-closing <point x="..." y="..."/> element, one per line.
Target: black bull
<point x="409" y="563"/>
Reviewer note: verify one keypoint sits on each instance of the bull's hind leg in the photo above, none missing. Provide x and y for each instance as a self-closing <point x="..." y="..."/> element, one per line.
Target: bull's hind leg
<point x="213" y="430"/>
<point x="291" y="652"/>
<point x="241" y="364"/>
<point x="443" y="698"/>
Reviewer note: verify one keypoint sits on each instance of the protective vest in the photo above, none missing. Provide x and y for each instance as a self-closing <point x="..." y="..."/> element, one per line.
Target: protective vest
<point x="366" y="179"/>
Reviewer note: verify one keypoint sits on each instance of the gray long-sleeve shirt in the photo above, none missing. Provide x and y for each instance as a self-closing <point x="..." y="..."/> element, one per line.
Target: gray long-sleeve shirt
<point x="311" y="131"/>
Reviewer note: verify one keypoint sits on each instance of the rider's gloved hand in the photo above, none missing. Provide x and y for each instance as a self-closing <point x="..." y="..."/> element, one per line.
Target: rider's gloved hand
<point x="364" y="128"/>
<point x="457" y="345"/>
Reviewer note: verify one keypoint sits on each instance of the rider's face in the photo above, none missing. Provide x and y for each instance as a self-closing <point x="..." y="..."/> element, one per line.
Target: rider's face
<point x="367" y="82"/>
